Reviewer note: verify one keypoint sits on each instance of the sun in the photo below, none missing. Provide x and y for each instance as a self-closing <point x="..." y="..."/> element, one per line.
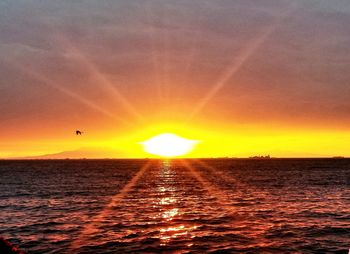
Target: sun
<point x="168" y="145"/>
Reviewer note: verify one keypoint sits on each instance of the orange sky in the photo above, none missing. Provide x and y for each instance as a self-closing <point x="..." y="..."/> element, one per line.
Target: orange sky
<point x="242" y="77"/>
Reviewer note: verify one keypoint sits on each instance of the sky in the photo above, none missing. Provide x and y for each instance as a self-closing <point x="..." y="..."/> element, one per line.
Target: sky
<point x="243" y="77"/>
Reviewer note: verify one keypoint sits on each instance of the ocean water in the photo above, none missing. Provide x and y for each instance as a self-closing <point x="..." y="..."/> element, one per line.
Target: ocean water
<point x="176" y="206"/>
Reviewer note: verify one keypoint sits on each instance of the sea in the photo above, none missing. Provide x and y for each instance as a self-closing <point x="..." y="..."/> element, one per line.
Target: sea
<point x="176" y="206"/>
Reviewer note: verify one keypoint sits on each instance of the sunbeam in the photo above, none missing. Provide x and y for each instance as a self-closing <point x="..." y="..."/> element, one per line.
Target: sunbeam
<point x="225" y="177"/>
<point x="41" y="78"/>
<point x="220" y="174"/>
<point x="220" y="195"/>
<point x="190" y="59"/>
<point x="197" y="36"/>
<point x="154" y="50"/>
<point x="94" y="221"/>
<point x="241" y="59"/>
<point x="174" y="126"/>
<point x="100" y="80"/>
<point x="165" y="59"/>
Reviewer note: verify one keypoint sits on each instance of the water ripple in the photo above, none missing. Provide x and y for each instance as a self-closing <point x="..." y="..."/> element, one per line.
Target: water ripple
<point x="189" y="206"/>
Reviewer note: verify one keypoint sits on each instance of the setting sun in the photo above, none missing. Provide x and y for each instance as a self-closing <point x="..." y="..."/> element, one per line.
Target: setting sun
<point x="168" y="145"/>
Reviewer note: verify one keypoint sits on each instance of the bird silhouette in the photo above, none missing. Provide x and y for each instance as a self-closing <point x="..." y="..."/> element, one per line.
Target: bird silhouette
<point x="78" y="132"/>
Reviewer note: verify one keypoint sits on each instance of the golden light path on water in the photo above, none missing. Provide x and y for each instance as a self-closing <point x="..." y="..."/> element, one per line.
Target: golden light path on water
<point x="183" y="206"/>
<point x="165" y="194"/>
<point x="168" y="204"/>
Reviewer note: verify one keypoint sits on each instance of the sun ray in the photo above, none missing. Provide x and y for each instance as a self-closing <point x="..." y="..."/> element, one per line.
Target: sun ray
<point x="165" y="58"/>
<point x="154" y="50"/>
<point x="196" y="38"/>
<point x="241" y="59"/>
<point x="94" y="221"/>
<point x="219" y="173"/>
<point x="100" y="79"/>
<point x="225" y="177"/>
<point x="44" y="80"/>
<point x="220" y="195"/>
<point x="190" y="59"/>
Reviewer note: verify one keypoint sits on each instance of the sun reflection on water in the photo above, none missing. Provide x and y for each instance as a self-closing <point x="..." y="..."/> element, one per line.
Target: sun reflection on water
<point x="166" y="201"/>
<point x="168" y="205"/>
<point x="169" y="215"/>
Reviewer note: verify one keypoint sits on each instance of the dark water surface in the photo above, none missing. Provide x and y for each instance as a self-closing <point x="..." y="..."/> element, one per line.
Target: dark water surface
<point x="190" y="206"/>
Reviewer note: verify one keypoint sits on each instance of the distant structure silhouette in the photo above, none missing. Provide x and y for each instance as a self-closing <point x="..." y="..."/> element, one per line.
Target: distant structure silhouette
<point x="261" y="157"/>
<point x="78" y="132"/>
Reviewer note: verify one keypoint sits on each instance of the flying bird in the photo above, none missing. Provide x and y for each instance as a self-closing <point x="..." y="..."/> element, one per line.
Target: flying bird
<point x="78" y="132"/>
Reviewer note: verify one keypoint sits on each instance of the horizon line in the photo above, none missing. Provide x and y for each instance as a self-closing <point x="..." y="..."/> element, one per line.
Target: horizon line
<point x="175" y="158"/>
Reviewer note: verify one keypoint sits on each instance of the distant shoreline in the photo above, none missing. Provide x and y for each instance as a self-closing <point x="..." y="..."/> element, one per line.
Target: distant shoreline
<point x="192" y="158"/>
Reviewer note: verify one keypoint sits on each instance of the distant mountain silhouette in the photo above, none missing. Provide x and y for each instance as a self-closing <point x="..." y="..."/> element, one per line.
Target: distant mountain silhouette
<point x="79" y="154"/>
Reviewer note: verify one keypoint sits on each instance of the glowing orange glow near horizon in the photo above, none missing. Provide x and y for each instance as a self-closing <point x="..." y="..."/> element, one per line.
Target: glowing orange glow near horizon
<point x="223" y="142"/>
<point x="161" y="68"/>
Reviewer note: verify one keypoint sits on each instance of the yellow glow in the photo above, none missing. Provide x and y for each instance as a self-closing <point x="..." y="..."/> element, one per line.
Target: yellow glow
<point x="168" y="145"/>
<point x="215" y="141"/>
